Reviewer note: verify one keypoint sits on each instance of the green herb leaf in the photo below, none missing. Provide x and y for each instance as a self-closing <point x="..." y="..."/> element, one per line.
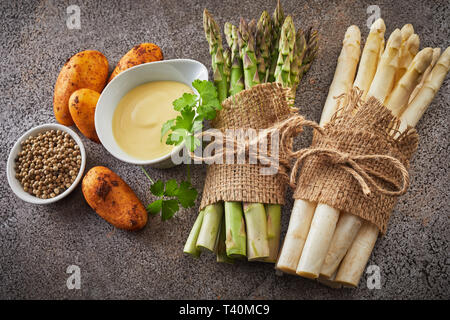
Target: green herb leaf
<point x="186" y="100"/>
<point x="186" y="194"/>
<point x="171" y="188"/>
<point x="157" y="188"/>
<point x="154" y="207"/>
<point x="192" y="143"/>
<point x="207" y="92"/>
<point x="169" y="207"/>
<point x="168" y="125"/>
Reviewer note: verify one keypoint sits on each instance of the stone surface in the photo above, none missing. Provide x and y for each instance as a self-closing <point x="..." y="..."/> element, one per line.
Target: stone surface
<point x="38" y="243"/>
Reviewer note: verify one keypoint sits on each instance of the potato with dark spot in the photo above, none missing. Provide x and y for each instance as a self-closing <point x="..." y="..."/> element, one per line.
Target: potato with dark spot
<point x="86" y="69"/>
<point x="82" y="104"/>
<point x="141" y="53"/>
<point x="113" y="199"/>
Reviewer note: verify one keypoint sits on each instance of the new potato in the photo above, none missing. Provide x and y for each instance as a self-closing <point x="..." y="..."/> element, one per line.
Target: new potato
<point x="82" y="104"/>
<point x="141" y="53"/>
<point x="86" y="69"/>
<point x="113" y="199"/>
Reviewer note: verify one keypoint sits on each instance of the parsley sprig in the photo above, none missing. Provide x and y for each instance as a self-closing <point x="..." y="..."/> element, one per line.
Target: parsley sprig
<point x="170" y="196"/>
<point x="193" y="110"/>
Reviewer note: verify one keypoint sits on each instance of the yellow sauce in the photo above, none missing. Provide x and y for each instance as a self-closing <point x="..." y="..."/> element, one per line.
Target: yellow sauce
<point x="140" y="114"/>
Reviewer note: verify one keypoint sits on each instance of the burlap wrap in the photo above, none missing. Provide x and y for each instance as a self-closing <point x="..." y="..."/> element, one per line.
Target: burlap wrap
<point x="358" y="128"/>
<point x="258" y="108"/>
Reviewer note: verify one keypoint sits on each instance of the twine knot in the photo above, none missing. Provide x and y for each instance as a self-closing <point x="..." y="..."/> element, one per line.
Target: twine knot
<point x="354" y="164"/>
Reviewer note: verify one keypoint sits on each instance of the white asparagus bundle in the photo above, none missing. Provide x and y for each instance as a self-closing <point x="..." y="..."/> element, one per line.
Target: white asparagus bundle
<point x="303" y="211"/>
<point x="326" y="228"/>
<point x="325" y="221"/>
<point x="353" y="265"/>
<point x="349" y="226"/>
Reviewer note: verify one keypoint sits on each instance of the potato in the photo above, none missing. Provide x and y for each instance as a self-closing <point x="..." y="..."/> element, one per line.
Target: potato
<point x="82" y="105"/>
<point x="113" y="199"/>
<point x="141" y="53"/>
<point x="86" y="69"/>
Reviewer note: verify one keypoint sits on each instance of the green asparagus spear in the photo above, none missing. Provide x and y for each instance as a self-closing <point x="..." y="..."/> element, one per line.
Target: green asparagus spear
<point x="256" y="223"/>
<point x="311" y="52"/>
<point x="235" y="230"/>
<point x="286" y="53"/>
<point x="263" y="44"/>
<point x="277" y="22"/>
<point x="209" y="230"/>
<point x="246" y="40"/>
<point x="191" y="243"/>
<point x="237" y="73"/>
<point x="273" y="212"/>
<point x="299" y="52"/>
<point x="212" y="32"/>
<point x="227" y="64"/>
<point x="221" y="250"/>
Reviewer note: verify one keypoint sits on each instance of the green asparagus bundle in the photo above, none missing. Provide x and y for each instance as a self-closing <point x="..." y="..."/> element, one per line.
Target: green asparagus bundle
<point x="269" y="50"/>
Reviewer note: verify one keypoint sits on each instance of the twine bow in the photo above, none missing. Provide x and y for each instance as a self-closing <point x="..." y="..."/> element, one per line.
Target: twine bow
<point x="352" y="164"/>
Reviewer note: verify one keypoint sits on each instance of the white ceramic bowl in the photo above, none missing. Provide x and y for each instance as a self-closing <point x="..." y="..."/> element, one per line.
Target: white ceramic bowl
<point x="11" y="172"/>
<point x="181" y="70"/>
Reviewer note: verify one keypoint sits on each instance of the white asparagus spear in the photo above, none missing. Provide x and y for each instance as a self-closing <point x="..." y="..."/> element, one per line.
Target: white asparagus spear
<point x="398" y="99"/>
<point x="408" y="51"/>
<point x="417" y="107"/>
<point x="351" y="268"/>
<point x="346" y="229"/>
<point x="298" y="229"/>
<point x="436" y="55"/>
<point x="320" y="236"/>
<point x="303" y="211"/>
<point x="370" y="55"/>
<point x="407" y="31"/>
<point x="318" y="241"/>
<point x="345" y="71"/>
<point x="383" y="81"/>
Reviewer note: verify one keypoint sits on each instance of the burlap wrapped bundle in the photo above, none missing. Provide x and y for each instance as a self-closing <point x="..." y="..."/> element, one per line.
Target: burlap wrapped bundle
<point x="260" y="107"/>
<point x="359" y="164"/>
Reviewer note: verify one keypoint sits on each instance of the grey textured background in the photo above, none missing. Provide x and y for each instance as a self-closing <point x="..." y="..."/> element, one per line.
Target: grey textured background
<point x="37" y="243"/>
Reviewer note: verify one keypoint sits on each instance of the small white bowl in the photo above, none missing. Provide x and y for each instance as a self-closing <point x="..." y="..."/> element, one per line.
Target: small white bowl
<point x="11" y="172"/>
<point x="181" y="70"/>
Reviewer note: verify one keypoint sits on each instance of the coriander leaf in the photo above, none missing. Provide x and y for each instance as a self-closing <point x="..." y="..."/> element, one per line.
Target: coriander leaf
<point x="207" y="111"/>
<point x="171" y="188"/>
<point x="154" y="207"/>
<point x="186" y="100"/>
<point x="178" y="136"/>
<point x="186" y="194"/>
<point x="157" y="188"/>
<point x="169" y="207"/>
<point x="192" y="143"/>
<point x="168" y="125"/>
<point x="185" y="120"/>
<point x="207" y="92"/>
